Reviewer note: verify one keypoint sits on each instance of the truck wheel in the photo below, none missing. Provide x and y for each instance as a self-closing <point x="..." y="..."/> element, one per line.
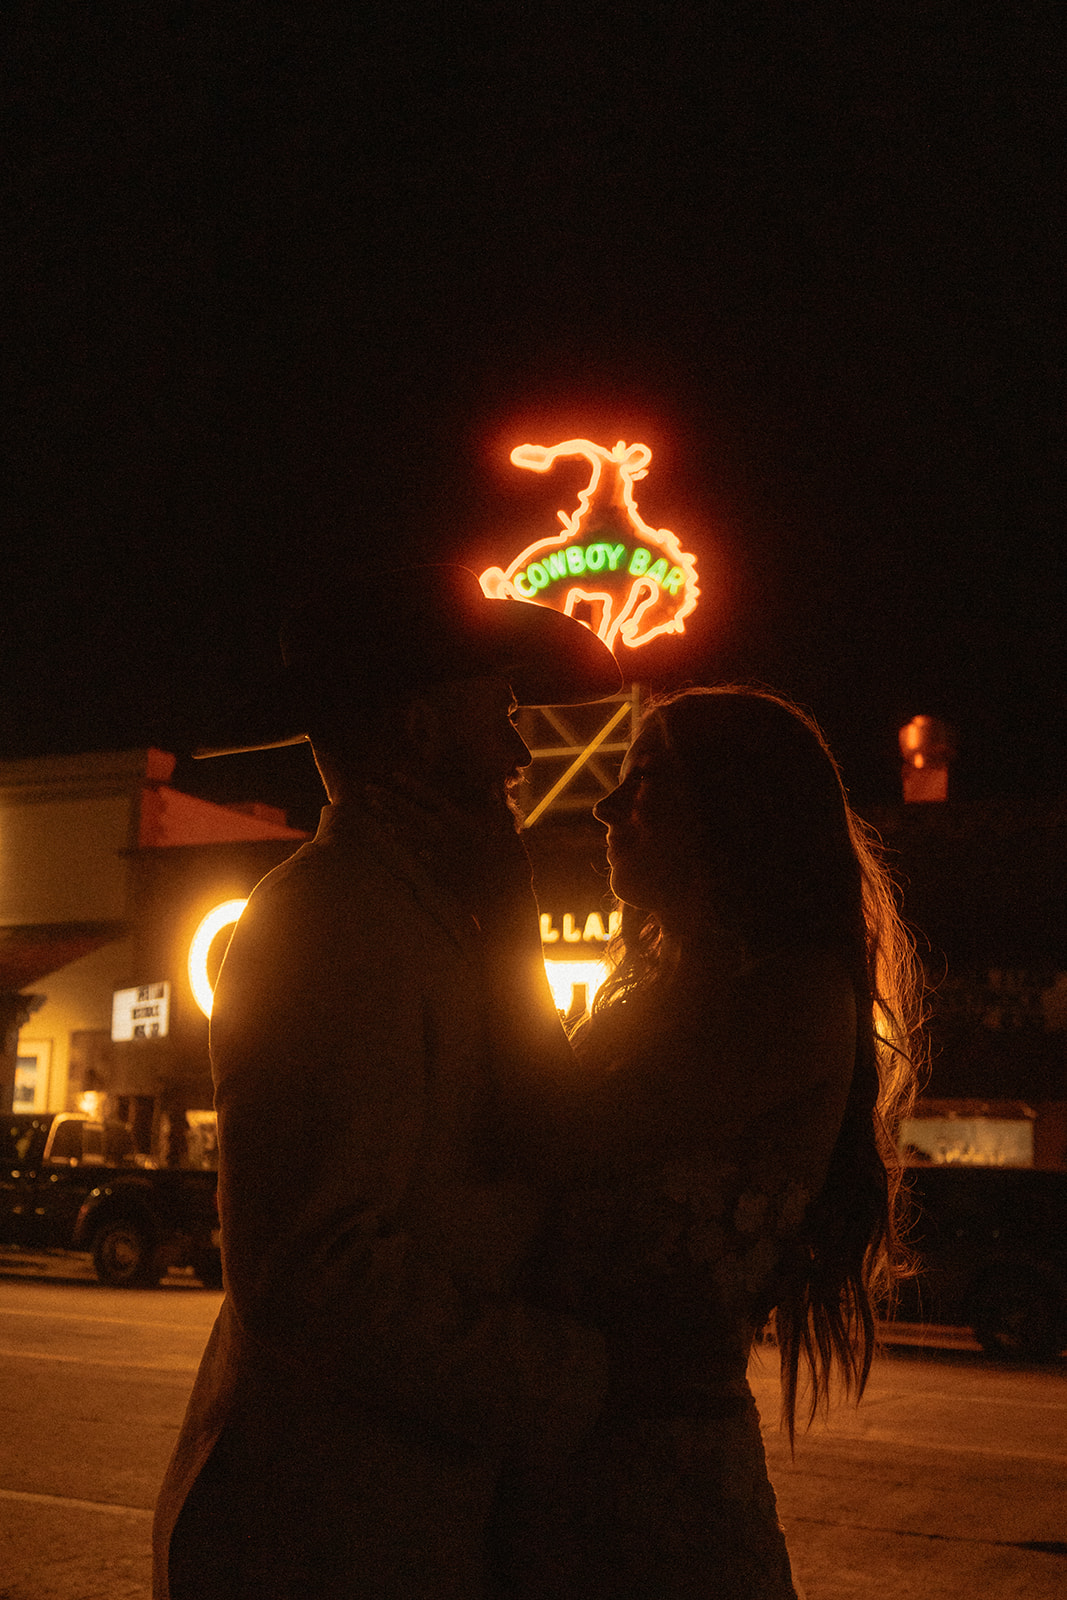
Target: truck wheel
<point x="124" y="1256"/>
<point x="1019" y="1314"/>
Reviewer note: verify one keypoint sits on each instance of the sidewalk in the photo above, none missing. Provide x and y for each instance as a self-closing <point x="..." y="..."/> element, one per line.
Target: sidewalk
<point x="876" y="1520"/>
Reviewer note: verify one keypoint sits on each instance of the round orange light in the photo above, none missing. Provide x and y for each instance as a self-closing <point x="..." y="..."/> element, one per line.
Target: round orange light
<point x="219" y="917"/>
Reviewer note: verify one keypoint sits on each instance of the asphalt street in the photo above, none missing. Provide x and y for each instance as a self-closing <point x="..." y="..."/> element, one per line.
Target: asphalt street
<point x="949" y="1480"/>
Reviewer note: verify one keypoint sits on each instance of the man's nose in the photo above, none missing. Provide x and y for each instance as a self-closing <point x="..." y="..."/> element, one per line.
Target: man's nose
<point x="521" y="749"/>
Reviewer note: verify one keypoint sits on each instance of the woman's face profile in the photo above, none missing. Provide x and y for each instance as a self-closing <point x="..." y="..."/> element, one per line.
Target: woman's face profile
<point x="652" y="843"/>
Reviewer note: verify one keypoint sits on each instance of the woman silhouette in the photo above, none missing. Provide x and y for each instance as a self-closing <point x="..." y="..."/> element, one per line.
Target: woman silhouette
<point x="732" y="1152"/>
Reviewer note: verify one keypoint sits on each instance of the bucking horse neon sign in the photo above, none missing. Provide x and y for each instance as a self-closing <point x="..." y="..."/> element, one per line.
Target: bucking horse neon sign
<point x="631" y="582"/>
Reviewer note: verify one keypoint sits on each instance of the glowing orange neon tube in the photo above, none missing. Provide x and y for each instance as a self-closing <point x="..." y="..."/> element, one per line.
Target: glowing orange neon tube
<point x="637" y="582"/>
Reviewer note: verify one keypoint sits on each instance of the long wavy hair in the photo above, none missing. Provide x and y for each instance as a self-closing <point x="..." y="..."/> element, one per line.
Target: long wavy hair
<point x="790" y="864"/>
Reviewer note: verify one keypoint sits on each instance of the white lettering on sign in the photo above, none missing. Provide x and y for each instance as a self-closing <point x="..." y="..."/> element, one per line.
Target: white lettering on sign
<point x="141" y="1013"/>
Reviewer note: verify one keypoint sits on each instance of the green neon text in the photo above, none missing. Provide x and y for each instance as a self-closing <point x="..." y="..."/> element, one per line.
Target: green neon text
<point x="577" y="561"/>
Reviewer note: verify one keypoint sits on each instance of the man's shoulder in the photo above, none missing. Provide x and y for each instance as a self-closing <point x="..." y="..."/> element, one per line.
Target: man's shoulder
<point x="322" y="916"/>
<point x="334" y="865"/>
<point x="354" y="890"/>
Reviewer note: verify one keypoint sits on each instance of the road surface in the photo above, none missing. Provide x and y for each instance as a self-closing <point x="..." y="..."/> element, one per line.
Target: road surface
<point x="949" y="1480"/>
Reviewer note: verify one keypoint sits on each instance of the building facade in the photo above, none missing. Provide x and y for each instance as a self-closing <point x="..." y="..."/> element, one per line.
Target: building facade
<point x="110" y="877"/>
<point x="105" y="873"/>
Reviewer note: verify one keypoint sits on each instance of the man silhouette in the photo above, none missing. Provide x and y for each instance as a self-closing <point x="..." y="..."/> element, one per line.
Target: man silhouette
<point x="383" y="1044"/>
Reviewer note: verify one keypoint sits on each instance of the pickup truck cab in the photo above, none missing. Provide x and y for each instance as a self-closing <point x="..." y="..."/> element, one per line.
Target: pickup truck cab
<point x="991" y="1248"/>
<point x="68" y="1182"/>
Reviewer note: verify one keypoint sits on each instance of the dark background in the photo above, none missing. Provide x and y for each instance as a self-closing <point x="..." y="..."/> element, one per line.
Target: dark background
<point x="289" y="281"/>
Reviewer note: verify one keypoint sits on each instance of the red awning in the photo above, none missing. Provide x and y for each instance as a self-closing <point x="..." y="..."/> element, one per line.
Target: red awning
<point x="29" y="951"/>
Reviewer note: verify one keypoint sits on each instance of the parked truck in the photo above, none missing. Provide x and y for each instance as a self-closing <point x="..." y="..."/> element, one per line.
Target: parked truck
<point x="991" y="1249"/>
<point x="68" y="1182"/>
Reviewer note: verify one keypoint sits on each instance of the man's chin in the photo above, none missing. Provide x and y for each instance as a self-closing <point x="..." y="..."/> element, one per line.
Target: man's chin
<point x="501" y="801"/>
<point x="491" y="805"/>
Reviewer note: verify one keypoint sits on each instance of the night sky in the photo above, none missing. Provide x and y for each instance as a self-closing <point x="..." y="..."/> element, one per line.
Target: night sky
<point x="289" y="283"/>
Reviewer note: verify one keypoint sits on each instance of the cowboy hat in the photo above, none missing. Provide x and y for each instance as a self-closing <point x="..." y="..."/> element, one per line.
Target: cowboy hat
<point x="387" y="631"/>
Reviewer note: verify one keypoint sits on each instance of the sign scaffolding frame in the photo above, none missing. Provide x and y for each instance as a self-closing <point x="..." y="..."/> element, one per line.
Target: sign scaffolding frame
<point x="587" y="742"/>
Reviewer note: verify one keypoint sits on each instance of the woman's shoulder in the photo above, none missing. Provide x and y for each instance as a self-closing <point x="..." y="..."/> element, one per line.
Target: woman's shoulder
<point x="799" y="977"/>
<point x="793" y="1017"/>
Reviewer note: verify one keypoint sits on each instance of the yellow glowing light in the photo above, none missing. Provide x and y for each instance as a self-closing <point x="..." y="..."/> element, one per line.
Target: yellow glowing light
<point x="565" y="976"/>
<point x="221" y="916"/>
<point x="636" y="582"/>
<point x="576" y="930"/>
<point x="90" y="1101"/>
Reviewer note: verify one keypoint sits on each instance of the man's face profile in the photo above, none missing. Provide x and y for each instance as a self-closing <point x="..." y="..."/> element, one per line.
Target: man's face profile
<point x="474" y="752"/>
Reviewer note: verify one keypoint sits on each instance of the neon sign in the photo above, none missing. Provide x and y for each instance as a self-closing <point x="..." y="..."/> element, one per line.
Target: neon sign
<point x="590" y="930"/>
<point x="608" y="567"/>
<point x="219" y="917"/>
<point x="564" y="977"/>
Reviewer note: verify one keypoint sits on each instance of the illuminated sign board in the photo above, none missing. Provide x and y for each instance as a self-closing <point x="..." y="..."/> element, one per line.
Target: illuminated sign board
<point x="630" y="582"/>
<point x="575" y="981"/>
<point x="142" y="1013"/>
<point x="219" y="917"/>
<point x="566" y="978"/>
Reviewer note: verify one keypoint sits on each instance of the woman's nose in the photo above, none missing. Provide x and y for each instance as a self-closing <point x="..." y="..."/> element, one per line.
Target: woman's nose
<point x="607" y="809"/>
